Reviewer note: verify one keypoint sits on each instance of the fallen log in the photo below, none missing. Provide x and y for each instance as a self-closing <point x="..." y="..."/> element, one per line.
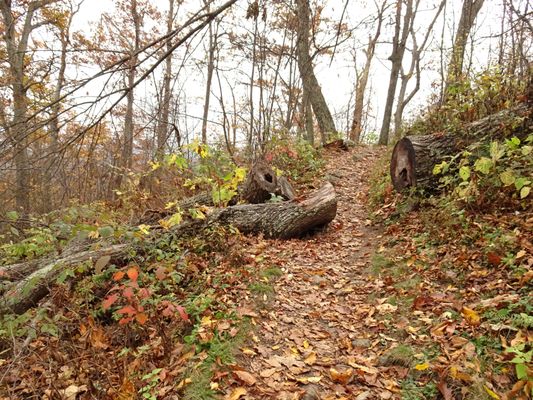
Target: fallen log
<point x="275" y="220"/>
<point x="340" y="144"/>
<point x="414" y="157"/>
<point x="29" y="291"/>
<point x="261" y="182"/>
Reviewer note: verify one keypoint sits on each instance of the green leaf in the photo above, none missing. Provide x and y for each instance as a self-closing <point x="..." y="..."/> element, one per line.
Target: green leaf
<point x="464" y="172"/>
<point x="175" y="219"/>
<point x="525" y="192"/>
<point x="519" y="183"/>
<point x="12" y="215"/>
<point x="106" y="231"/>
<point x="483" y="165"/>
<point x="64" y="275"/>
<point x="51" y="329"/>
<point x="441" y="168"/>
<point x="196" y="213"/>
<point x="521" y="371"/>
<point x="507" y="177"/>
<point x="513" y="143"/>
<point x="526" y="150"/>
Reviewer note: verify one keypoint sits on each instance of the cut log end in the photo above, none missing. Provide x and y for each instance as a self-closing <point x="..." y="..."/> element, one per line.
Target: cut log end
<point x="403" y="165"/>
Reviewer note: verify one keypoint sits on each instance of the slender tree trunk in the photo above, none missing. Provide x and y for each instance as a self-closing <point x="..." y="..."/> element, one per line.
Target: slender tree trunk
<point x="127" y="150"/>
<point x="16" y="48"/>
<point x="210" y="68"/>
<point x="414" y="69"/>
<point x="305" y="65"/>
<point x="308" y="117"/>
<point x="252" y="78"/>
<point x="362" y="81"/>
<point x="469" y="13"/>
<point x="398" y="49"/>
<point x="52" y="166"/>
<point x="163" y="123"/>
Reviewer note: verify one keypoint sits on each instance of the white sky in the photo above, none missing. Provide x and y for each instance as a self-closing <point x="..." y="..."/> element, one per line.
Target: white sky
<point x="337" y="80"/>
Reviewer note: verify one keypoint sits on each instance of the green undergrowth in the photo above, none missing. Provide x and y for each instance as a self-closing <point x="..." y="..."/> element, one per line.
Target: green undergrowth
<point x="457" y="268"/>
<point x="164" y="317"/>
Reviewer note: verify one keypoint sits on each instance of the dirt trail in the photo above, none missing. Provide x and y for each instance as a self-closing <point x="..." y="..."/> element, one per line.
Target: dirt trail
<point x="320" y="322"/>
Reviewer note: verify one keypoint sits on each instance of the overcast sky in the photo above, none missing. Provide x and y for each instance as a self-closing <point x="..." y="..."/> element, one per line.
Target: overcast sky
<point x="337" y="79"/>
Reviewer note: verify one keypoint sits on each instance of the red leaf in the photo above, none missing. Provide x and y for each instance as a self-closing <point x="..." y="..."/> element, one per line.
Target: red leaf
<point x="109" y="300"/>
<point x="117" y="276"/>
<point x="125" y="320"/>
<point x="127" y="310"/>
<point x="144" y="293"/>
<point x="422" y="301"/>
<point x="168" y="312"/>
<point x="141" y="318"/>
<point x="128" y="293"/>
<point x="161" y="273"/>
<point x="183" y="313"/>
<point x="494" y="259"/>
<point x="133" y="274"/>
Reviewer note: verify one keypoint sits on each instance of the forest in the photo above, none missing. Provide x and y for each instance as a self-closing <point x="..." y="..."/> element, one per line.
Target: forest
<point x="252" y="199"/>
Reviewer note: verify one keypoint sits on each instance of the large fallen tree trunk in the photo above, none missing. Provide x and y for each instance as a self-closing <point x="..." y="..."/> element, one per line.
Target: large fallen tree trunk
<point x="26" y="293"/>
<point x="275" y="220"/>
<point x="414" y="157"/>
<point x="260" y="184"/>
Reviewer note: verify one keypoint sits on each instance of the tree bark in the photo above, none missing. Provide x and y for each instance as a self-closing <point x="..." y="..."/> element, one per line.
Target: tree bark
<point x="469" y="13"/>
<point x="28" y="292"/>
<point x="362" y="81"/>
<point x="414" y="69"/>
<point x="398" y="50"/>
<point x="305" y="65"/>
<point x="16" y="43"/>
<point x="127" y="149"/>
<point x="261" y="182"/>
<point x="414" y="157"/>
<point x="210" y="69"/>
<point x="162" y="125"/>
<point x="274" y="220"/>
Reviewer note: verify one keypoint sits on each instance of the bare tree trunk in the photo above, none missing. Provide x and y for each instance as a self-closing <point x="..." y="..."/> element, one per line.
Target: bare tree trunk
<point x="414" y="69"/>
<point x="127" y="149"/>
<point x="308" y="117"/>
<point x="469" y="13"/>
<point x="305" y="65"/>
<point x="54" y="160"/>
<point x="252" y="78"/>
<point x="16" y="48"/>
<point x="163" y="122"/>
<point x="398" y="49"/>
<point x="362" y="80"/>
<point x="210" y="68"/>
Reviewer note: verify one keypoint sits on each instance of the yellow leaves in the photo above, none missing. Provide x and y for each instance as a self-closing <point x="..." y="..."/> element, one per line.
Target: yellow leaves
<point x="422" y="367"/>
<point x="457" y="374"/>
<point x="170" y="205"/>
<point x="341" y="375"/>
<point x="236" y="393"/>
<point x="491" y="393"/>
<point x="175" y="219"/>
<point x="471" y="317"/>
<point x="249" y="352"/>
<point x="155" y="165"/>
<point x="144" y="229"/>
<point x="309" y="379"/>
<point x="311" y="358"/>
